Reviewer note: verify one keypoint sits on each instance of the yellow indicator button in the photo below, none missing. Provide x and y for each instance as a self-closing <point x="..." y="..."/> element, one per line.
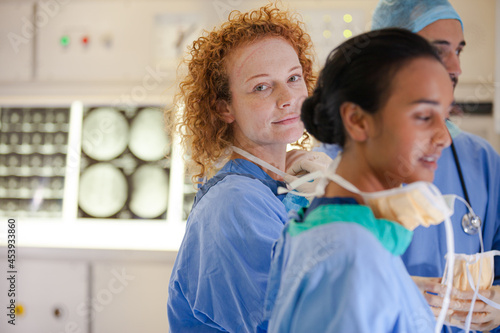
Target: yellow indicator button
<point x="348" y="18"/>
<point x="19" y="310"/>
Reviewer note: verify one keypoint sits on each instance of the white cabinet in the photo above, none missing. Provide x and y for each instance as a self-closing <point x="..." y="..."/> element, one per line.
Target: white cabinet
<point x="87" y="291"/>
<point x="129" y="298"/>
<point x="50" y="296"/>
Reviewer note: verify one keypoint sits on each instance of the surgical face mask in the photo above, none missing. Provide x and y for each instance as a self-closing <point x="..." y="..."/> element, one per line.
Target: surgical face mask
<point x="419" y="203"/>
<point x="473" y="272"/>
<point x="292" y="201"/>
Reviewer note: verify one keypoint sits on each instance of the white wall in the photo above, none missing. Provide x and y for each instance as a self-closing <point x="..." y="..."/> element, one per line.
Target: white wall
<point x="478" y="57"/>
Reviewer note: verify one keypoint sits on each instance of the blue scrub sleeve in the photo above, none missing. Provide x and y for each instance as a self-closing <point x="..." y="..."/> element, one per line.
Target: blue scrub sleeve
<point x="227" y="260"/>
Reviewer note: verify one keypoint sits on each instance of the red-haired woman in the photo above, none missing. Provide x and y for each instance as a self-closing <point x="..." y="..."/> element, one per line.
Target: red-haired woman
<point x="245" y="84"/>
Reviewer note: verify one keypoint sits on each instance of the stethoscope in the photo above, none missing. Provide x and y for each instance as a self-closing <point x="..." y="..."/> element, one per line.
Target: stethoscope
<point x="471" y="223"/>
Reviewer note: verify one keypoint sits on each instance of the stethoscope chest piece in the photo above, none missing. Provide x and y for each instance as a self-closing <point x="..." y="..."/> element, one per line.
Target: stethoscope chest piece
<point x="471" y="223"/>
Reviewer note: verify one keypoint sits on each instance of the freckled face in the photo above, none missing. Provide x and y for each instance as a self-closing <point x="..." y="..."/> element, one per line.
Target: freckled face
<point x="267" y="90"/>
<point x="410" y="131"/>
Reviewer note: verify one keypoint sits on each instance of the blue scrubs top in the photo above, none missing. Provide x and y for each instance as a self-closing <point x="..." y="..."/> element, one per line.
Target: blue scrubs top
<point x="480" y="165"/>
<point x="219" y="278"/>
<point x="338" y="270"/>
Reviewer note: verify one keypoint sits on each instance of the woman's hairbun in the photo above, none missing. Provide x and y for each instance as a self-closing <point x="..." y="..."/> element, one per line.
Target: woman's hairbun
<point x="361" y="73"/>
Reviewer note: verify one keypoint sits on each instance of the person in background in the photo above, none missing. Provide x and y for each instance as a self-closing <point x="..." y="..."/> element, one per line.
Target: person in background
<point x="473" y="173"/>
<point x="241" y="99"/>
<point x="337" y="267"/>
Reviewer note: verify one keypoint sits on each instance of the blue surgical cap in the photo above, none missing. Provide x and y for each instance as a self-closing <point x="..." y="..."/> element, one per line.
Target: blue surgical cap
<point x="413" y="15"/>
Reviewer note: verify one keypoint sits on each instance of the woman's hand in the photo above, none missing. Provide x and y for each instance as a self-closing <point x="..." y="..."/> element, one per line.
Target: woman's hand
<point x="299" y="162"/>
<point x="484" y="317"/>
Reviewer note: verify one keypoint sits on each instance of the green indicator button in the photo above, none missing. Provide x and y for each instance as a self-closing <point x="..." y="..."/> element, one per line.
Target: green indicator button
<point x="64" y="40"/>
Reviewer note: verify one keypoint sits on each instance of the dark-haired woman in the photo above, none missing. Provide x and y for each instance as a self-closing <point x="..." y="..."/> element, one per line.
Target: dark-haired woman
<point x="384" y="97"/>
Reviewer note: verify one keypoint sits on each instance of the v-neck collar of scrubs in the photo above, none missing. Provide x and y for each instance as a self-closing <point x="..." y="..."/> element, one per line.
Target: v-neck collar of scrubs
<point x="242" y="166"/>
<point x="394" y="237"/>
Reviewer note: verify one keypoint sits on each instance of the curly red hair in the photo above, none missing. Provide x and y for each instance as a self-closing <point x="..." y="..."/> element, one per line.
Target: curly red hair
<point x="204" y="134"/>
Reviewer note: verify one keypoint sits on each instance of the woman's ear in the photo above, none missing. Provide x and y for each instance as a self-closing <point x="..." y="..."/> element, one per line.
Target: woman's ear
<point x="355" y="120"/>
<point x="225" y="111"/>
